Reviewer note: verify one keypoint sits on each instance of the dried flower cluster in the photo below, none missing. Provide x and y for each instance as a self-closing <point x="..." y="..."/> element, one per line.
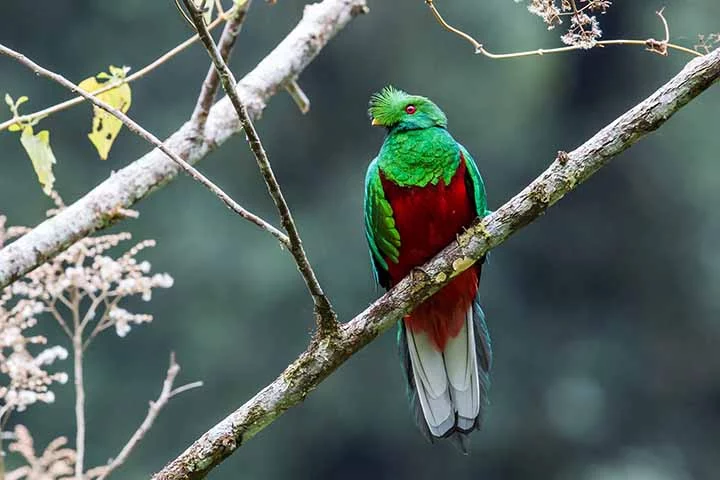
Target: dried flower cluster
<point x="81" y="288"/>
<point x="28" y="381"/>
<point x="55" y="462"/>
<point x="584" y="30"/>
<point x="11" y="232"/>
<point x="86" y="271"/>
<point x="22" y="360"/>
<point x="707" y="43"/>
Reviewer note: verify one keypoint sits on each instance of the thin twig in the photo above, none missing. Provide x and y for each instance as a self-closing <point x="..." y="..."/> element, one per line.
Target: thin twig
<point x="649" y="44"/>
<point x="103" y="323"/>
<point x="299" y="97"/>
<point x="166" y="394"/>
<point x="182" y="13"/>
<point x="320" y="359"/>
<point x="186" y="387"/>
<point x="149" y="137"/>
<point x="54" y="312"/>
<point x="326" y="318"/>
<point x="5" y="412"/>
<point x="91" y="311"/>
<point x="212" y="80"/>
<point x="79" y="382"/>
<point x="661" y="48"/>
<point x="219" y="6"/>
<point x="130" y="78"/>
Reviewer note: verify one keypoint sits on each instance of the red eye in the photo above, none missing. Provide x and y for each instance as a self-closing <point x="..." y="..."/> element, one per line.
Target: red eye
<point x="410" y="109"/>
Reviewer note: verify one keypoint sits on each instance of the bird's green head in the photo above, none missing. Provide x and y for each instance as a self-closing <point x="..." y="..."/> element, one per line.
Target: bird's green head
<point x="397" y="110"/>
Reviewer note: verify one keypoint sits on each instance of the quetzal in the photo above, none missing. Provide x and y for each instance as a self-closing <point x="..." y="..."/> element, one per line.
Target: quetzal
<point x="421" y="191"/>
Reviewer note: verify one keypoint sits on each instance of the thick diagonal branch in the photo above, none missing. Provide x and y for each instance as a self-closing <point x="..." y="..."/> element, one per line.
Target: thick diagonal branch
<point x="103" y="205"/>
<point x="326" y="319"/>
<point x="323" y="356"/>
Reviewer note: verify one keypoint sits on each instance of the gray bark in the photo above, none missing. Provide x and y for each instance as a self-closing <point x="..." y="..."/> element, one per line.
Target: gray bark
<point x="325" y="354"/>
<point x="103" y="205"/>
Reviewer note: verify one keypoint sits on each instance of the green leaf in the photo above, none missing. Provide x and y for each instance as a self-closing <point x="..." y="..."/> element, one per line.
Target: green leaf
<point x="21" y="100"/>
<point x="41" y="156"/>
<point x="15" y="127"/>
<point x="9" y="101"/>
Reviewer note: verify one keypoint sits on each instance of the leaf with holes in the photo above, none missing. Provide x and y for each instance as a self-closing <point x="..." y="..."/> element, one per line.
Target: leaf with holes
<point x="105" y="126"/>
<point x="41" y="155"/>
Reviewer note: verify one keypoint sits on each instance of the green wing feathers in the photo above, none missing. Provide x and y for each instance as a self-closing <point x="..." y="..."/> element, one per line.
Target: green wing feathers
<point x="382" y="235"/>
<point x="477" y="183"/>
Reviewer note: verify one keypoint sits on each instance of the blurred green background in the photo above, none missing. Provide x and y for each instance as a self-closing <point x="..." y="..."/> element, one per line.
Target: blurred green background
<point x="604" y="313"/>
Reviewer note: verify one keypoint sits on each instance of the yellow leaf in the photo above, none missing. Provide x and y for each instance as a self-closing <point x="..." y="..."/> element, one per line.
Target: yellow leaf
<point x="117" y="73"/>
<point x="41" y="155"/>
<point x="105" y="127"/>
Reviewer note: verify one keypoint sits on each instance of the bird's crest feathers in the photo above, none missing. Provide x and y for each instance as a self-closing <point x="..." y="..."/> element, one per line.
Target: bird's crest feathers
<point x="389" y="109"/>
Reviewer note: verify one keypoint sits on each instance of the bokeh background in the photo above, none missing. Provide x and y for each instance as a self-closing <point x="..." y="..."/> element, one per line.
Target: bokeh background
<point x="604" y="312"/>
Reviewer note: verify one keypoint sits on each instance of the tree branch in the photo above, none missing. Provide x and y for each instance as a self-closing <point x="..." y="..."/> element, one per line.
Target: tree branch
<point x="102" y="206"/>
<point x="134" y="127"/>
<point x="212" y="80"/>
<point x="325" y="316"/>
<point x="650" y="44"/>
<point x="324" y="355"/>
<point x="166" y="394"/>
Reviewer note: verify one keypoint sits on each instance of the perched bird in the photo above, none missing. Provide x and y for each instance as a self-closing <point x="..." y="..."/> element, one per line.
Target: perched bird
<point x="421" y="191"/>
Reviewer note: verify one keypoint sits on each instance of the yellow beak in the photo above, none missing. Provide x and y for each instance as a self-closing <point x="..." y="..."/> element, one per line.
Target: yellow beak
<point x="375" y="122"/>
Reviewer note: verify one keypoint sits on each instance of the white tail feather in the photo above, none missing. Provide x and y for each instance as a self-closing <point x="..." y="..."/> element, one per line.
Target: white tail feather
<point x="447" y="382"/>
<point x="431" y="382"/>
<point x="462" y="370"/>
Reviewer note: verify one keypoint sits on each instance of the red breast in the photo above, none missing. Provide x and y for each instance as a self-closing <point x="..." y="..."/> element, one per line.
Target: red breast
<point x="428" y="218"/>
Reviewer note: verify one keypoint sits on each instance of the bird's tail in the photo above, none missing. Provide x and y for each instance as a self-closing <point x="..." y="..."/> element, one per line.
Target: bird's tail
<point x="448" y="390"/>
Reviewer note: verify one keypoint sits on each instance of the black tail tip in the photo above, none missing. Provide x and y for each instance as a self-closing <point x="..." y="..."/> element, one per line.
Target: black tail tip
<point x="461" y="441"/>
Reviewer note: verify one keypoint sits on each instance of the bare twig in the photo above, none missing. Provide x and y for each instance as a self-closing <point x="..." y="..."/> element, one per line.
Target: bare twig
<point x="104" y="321"/>
<point x="326" y="318"/>
<point x="650" y="44"/>
<point x="79" y="382"/>
<point x="61" y="321"/>
<point x="101" y="207"/>
<point x="661" y="47"/>
<point x="219" y="6"/>
<point x="154" y="409"/>
<point x="299" y="97"/>
<point x="225" y="46"/>
<point x="323" y="357"/>
<point x="130" y="78"/>
<point x="186" y="387"/>
<point x="149" y="137"/>
<point x="5" y="412"/>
